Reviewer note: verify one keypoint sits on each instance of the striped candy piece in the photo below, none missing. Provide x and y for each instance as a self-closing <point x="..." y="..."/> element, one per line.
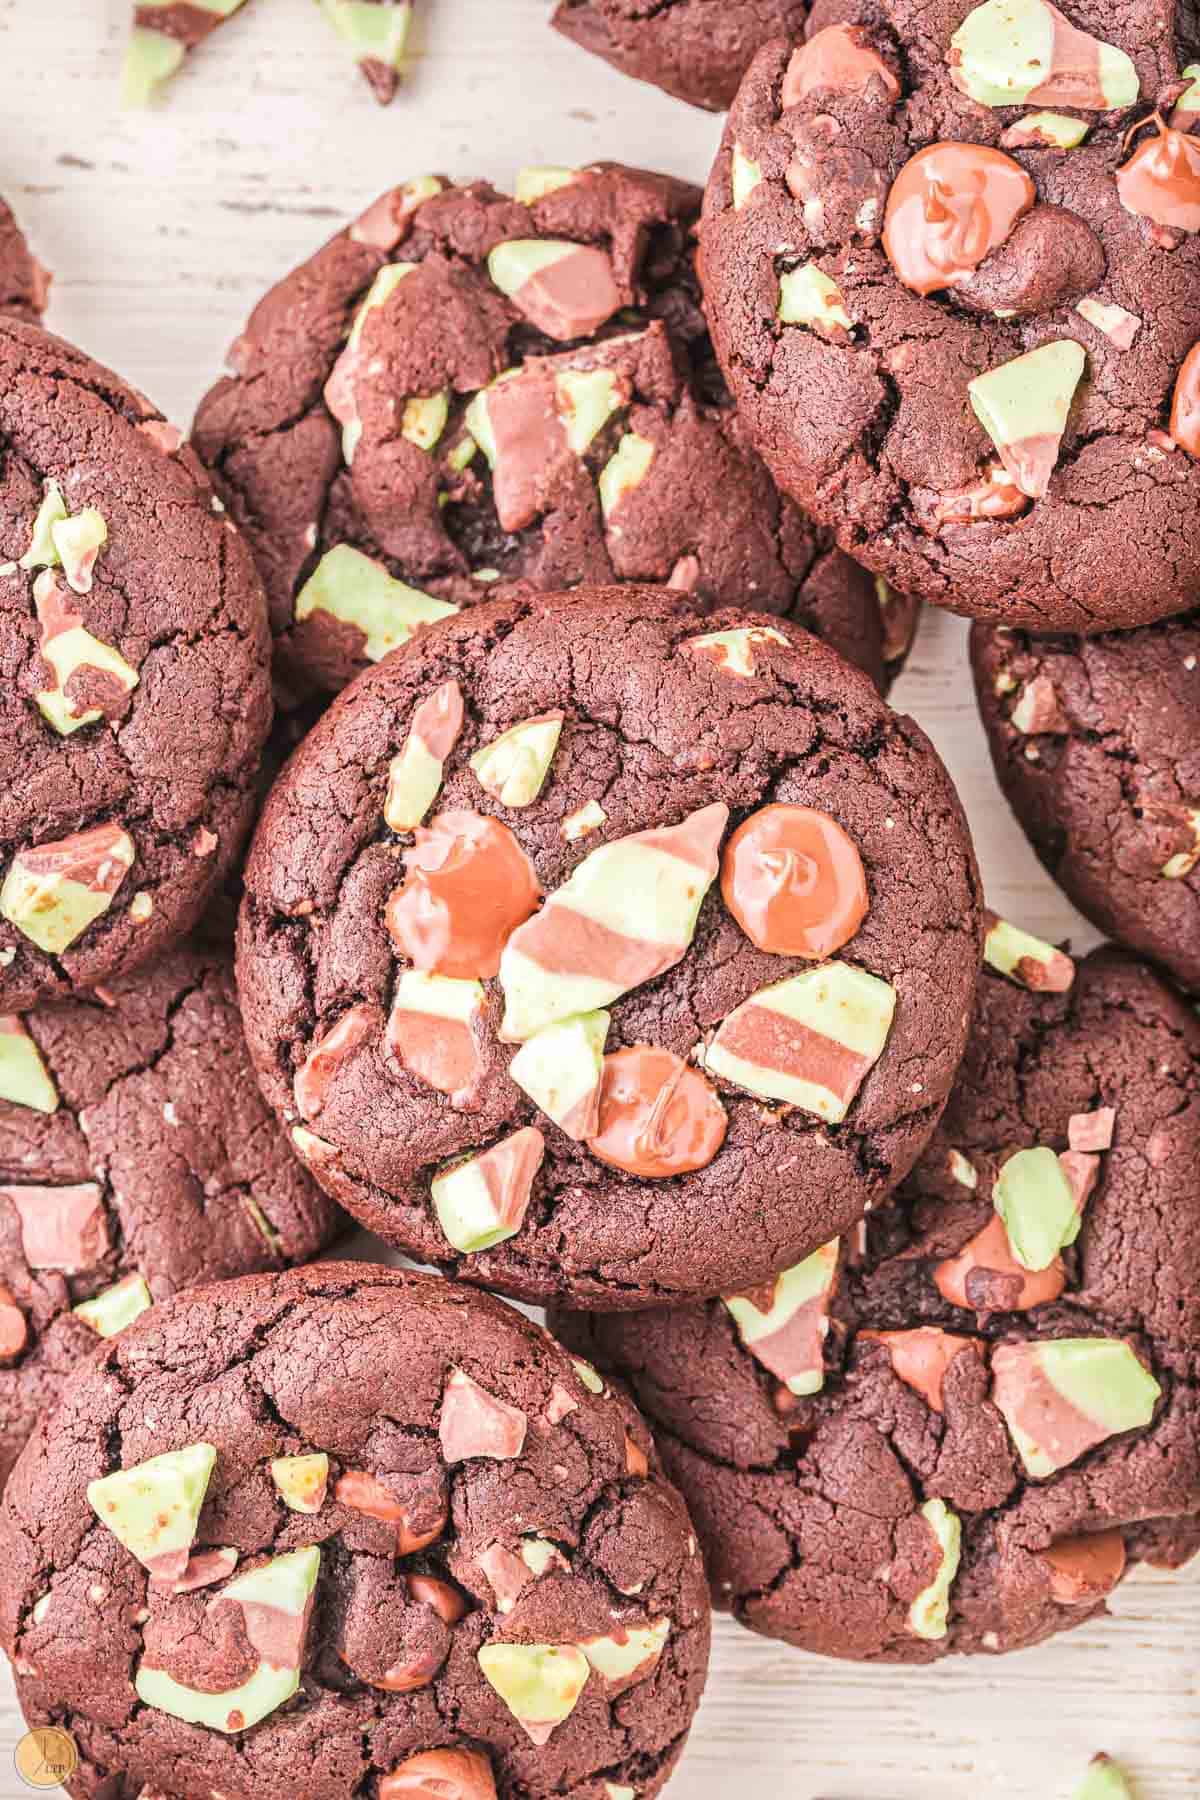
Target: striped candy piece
<point x="627" y="914"/>
<point x="561" y="1069"/>
<point x="483" y="1200"/>
<point x="784" y="1324"/>
<point x="809" y="1041"/>
<point x="415" y="775"/>
<point x="431" y="1031"/>
<point x="24" y="1077"/>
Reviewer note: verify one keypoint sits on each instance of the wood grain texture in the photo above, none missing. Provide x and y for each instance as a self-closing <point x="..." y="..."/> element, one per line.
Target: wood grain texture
<point x="162" y="231"/>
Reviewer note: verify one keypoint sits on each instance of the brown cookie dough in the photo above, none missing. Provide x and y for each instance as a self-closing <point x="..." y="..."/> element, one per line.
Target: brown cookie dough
<point x="897" y="1452"/>
<point x="697" y="50"/>
<point x="136" y="700"/>
<point x="428" y="414"/>
<point x="953" y="275"/>
<point x="605" y="750"/>
<point x="1096" y="742"/>
<point x="24" y="283"/>
<point x="136" y="1158"/>
<point x="395" y="1539"/>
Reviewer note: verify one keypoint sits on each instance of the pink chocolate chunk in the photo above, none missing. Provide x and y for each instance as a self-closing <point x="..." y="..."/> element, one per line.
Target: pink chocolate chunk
<point x="316" y="1074"/>
<point x="475" y="1423"/>
<point x="570" y="298"/>
<point x="62" y="1228"/>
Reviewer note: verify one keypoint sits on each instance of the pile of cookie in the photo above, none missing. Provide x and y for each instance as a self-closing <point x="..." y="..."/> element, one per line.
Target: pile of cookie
<point x="604" y="938"/>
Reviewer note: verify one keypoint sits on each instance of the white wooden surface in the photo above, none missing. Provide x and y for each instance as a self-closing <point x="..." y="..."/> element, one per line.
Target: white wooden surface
<point x="162" y="230"/>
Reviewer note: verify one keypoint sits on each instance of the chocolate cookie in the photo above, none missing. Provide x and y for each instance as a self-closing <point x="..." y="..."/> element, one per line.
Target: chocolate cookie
<point x="697" y="50"/>
<point x="136" y="1158"/>
<point x="519" y="1028"/>
<point x="163" y="34"/>
<point x="24" y="284"/>
<point x="1096" y="742"/>
<point x="953" y="275"/>
<point x="136" y="698"/>
<point x="358" y="1523"/>
<point x="956" y="1430"/>
<point x="557" y="424"/>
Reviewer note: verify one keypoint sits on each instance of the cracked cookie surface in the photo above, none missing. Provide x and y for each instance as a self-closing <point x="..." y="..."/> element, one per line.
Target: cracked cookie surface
<point x="1094" y="743"/>
<point x="598" y="749"/>
<point x="810" y="1493"/>
<point x="883" y="247"/>
<point x="136" y="1158"/>
<point x="133" y="637"/>
<point x="475" y="421"/>
<point x="24" y="283"/>
<point x="697" y="50"/>
<point x="504" y="1595"/>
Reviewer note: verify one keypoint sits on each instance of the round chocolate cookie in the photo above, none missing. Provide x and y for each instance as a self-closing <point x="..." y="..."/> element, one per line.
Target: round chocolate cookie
<point x="953" y="275"/>
<point x="697" y="50"/>
<point x="359" y="1524"/>
<point x="958" y="1428"/>
<point x="521" y="1029"/>
<point x="465" y="396"/>
<point x="136" y="699"/>
<point x="24" y="284"/>
<point x="136" y="1158"/>
<point x="1096" y="742"/>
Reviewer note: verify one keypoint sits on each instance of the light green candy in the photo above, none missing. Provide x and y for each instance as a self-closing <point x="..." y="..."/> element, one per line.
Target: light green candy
<point x="512" y="264"/>
<point x="1005" y="51"/>
<point x="1059" y="129"/>
<point x="117" y="1307"/>
<point x="616" y="1659"/>
<point x="1100" y="1378"/>
<point x="1011" y="951"/>
<point x="1105" y="1780"/>
<point x="285" y="1585"/>
<point x="587" y="1375"/>
<point x="539" y="1683"/>
<point x="625" y="470"/>
<point x="794" y="1288"/>
<point x="928" y="1616"/>
<point x="150" y="61"/>
<point x="353" y="587"/>
<point x="587" y="400"/>
<point x="42" y="552"/>
<point x="807" y="296"/>
<point x="300" y="1481"/>
<point x="50" y="909"/>
<point x="745" y="175"/>
<point x="1027" y="401"/>
<point x="1189" y="100"/>
<point x="514" y="766"/>
<point x="379" y="33"/>
<point x="154" y="1507"/>
<point x="561" y="1067"/>
<point x="838" y="1001"/>
<point x="76" y="540"/>
<point x="69" y="651"/>
<point x="1036" y="1202"/>
<point x="534" y="184"/>
<point x="424" y="419"/>
<point x="24" y="1077"/>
